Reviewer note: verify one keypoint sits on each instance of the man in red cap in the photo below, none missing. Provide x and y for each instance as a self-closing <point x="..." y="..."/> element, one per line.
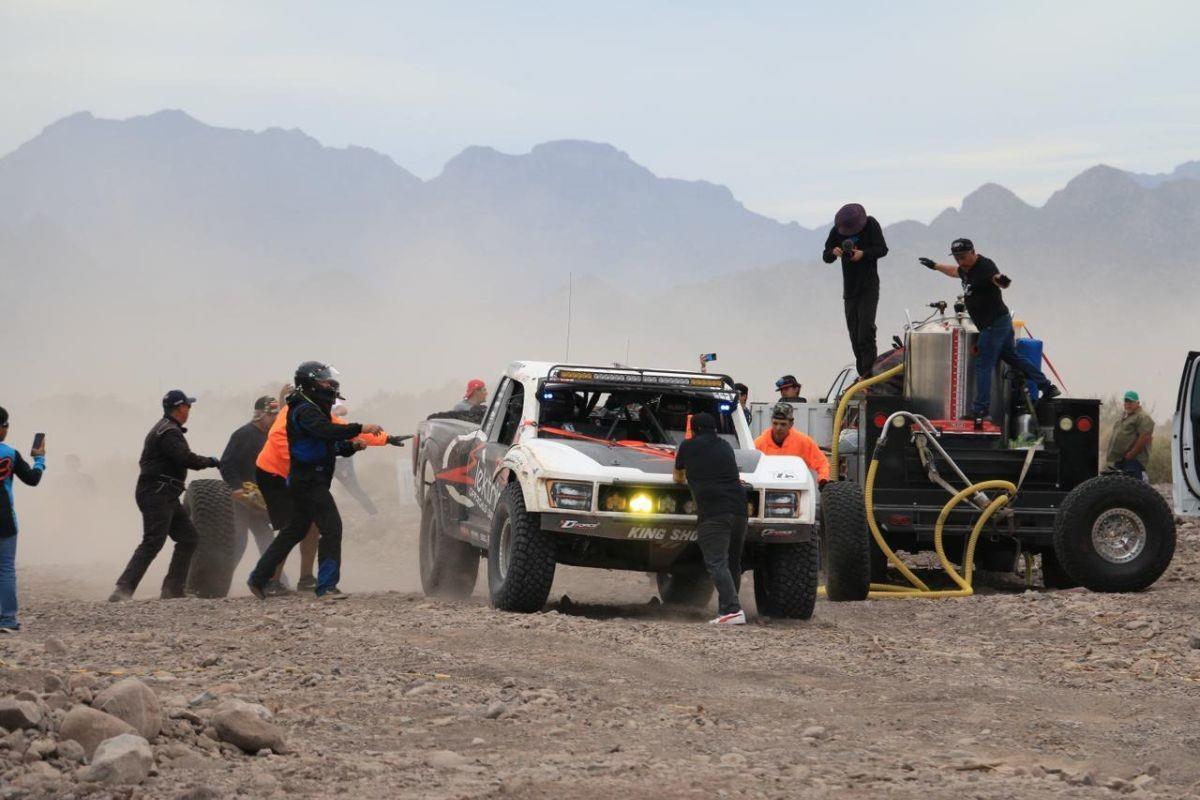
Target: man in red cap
<point x="857" y="240"/>
<point x="474" y="398"/>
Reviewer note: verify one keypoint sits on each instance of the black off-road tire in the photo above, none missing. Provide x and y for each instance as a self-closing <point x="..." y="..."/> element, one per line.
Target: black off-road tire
<point x="1128" y="505"/>
<point x="528" y="557"/>
<point x="449" y="567"/>
<point x="693" y="590"/>
<point x="785" y="582"/>
<point x="209" y="503"/>
<point x="1053" y="575"/>
<point x="847" y="542"/>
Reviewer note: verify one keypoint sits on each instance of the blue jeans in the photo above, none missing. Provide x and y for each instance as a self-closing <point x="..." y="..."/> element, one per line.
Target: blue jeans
<point x="1131" y="467"/>
<point x="8" y="583"/>
<point x="996" y="344"/>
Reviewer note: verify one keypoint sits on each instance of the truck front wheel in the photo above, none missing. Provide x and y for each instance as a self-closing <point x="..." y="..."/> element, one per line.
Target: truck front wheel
<point x="1114" y="534"/>
<point x="521" y="557"/>
<point x="449" y="567"/>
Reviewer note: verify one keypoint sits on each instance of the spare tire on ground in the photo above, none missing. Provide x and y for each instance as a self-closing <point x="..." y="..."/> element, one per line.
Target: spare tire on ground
<point x="210" y="505"/>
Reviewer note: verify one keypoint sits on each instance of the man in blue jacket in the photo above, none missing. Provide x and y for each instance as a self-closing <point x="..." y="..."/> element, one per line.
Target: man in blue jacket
<point x="314" y="443"/>
<point x="11" y="463"/>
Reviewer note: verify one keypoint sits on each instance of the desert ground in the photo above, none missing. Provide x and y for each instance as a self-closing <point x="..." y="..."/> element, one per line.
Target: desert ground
<point x="606" y="693"/>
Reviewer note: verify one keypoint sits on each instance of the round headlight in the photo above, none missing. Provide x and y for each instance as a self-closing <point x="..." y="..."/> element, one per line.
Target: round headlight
<point x="641" y="504"/>
<point x="667" y="504"/>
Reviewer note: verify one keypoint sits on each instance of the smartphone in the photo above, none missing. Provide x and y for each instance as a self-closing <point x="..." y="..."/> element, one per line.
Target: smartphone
<point x="39" y="439"/>
<point x="707" y="357"/>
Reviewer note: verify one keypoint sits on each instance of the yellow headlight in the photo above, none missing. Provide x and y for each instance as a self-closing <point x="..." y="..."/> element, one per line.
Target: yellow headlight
<point x="641" y="504"/>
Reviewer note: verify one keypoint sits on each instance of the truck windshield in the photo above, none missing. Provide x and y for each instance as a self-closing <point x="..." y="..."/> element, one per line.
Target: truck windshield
<point x="629" y="414"/>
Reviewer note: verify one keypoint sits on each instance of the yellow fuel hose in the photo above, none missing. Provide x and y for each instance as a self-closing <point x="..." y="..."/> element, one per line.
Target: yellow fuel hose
<point x="840" y="414"/>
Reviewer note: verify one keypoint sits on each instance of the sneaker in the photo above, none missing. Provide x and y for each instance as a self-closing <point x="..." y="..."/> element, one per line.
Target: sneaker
<point x="256" y="590"/>
<point x="333" y="594"/>
<point x="120" y="595"/>
<point x="170" y="594"/>
<point x="736" y="618"/>
<point x="10" y="629"/>
<point x="274" y="589"/>
<point x="307" y="583"/>
<point x="1050" y="393"/>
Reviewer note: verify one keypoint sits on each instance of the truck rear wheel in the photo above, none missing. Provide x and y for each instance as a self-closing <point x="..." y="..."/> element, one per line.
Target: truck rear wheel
<point x="449" y="567"/>
<point x="210" y="505"/>
<point x="694" y="590"/>
<point x="1114" y="534"/>
<point x="847" y="542"/>
<point x="785" y="582"/>
<point x="520" y="556"/>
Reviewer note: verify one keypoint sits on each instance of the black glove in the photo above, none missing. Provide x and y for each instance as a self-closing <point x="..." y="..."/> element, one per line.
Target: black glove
<point x="928" y="262"/>
<point x="398" y="441"/>
<point x="1004" y="281"/>
<point x="214" y="462"/>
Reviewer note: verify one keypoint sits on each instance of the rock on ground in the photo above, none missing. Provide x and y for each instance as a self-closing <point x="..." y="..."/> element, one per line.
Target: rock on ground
<point x="90" y="727"/>
<point x="243" y="725"/>
<point x="124" y="759"/>
<point x="134" y="702"/>
<point x="19" y="714"/>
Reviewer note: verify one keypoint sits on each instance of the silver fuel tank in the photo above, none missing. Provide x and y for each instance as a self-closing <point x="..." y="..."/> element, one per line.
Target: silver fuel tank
<point x="939" y="368"/>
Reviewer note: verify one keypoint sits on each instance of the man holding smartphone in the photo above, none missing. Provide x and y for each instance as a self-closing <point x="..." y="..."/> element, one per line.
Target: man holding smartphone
<point x="11" y="463"/>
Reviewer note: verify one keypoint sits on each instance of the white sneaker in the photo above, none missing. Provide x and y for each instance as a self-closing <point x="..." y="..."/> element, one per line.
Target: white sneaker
<point x="736" y="618"/>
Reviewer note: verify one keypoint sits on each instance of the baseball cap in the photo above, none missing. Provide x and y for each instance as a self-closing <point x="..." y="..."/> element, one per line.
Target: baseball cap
<point x="1132" y="396"/>
<point x="961" y="246"/>
<point x="3" y="417"/>
<point x="783" y="411"/>
<point x="850" y="219"/>
<point x="266" y="403"/>
<point x="785" y="381"/>
<point x="176" y="398"/>
<point x="703" y="421"/>
<point x="472" y="385"/>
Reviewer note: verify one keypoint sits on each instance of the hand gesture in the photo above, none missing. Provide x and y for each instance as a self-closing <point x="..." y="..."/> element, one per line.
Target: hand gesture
<point x="837" y="252"/>
<point x="1003" y="281"/>
<point x="358" y="444"/>
<point x="374" y="430"/>
<point x="857" y="256"/>
<point x="928" y="263"/>
<point x="39" y="451"/>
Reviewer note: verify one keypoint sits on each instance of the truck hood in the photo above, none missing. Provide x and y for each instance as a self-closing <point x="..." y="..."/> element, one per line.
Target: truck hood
<point x="594" y="461"/>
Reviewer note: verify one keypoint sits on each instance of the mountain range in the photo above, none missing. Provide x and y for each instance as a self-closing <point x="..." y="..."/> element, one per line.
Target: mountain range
<point x="139" y="248"/>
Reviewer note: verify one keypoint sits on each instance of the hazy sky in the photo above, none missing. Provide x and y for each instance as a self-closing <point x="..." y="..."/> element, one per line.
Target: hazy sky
<point x="797" y="107"/>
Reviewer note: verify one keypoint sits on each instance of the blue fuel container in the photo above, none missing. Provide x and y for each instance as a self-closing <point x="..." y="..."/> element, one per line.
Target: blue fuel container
<point x="1031" y="350"/>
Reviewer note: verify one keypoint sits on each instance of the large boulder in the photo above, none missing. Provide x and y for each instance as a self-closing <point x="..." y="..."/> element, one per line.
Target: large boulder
<point x="90" y="727"/>
<point x="124" y="759"/>
<point x="19" y="714"/>
<point x="248" y="726"/>
<point x="134" y="702"/>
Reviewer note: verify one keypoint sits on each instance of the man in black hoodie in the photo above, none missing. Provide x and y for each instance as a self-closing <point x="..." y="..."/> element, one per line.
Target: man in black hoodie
<point x="314" y="443"/>
<point x="857" y="240"/>
<point x="165" y="460"/>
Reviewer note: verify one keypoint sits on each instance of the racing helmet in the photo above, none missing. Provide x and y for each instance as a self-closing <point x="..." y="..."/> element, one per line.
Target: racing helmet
<point x="318" y="379"/>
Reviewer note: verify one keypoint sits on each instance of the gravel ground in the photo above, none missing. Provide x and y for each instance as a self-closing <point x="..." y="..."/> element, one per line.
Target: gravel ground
<point x="1007" y="694"/>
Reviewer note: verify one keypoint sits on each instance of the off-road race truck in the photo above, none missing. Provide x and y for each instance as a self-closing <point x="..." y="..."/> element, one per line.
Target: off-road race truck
<point x="573" y="465"/>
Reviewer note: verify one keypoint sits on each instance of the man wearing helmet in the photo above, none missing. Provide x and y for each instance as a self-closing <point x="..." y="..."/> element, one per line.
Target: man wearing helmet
<point x="314" y="443"/>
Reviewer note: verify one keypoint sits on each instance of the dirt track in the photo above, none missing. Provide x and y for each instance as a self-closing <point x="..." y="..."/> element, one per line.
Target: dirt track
<point x="1007" y="694"/>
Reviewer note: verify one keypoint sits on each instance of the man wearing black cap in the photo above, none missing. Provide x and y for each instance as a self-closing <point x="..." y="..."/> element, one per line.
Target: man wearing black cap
<point x="789" y="389"/>
<point x="707" y="465"/>
<point x="982" y="282"/>
<point x="238" y="468"/>
<point x="165" y="460"/>
<point x="857" y="239"/>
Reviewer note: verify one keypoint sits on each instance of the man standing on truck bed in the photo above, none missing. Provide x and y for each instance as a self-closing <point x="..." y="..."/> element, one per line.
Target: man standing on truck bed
<point x="165" y="460"/>
<point x="707" y="465"/>
<point x="857" y="239"/>
<point x="474" y="398"/>
<point x="314" y="442"/>
<point x="982" y="282"/>
<point x="1129" y="445"/>
<point x="784" y="440"/>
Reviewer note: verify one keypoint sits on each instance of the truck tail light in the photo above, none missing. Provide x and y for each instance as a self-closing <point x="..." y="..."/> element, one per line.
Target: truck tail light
<point x="1084" y="424"/>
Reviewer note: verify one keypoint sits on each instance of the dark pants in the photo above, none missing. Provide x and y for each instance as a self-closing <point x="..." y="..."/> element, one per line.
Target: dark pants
<point x="860" y="324"/>
<point x="721" y="538"/>
<point x="256" y="522"/>
<point x="1131" y="467"/>
<point x="996" y="344"/>
<point x="162" y="516"/>
<point x="312" y="504"/>
<point x="275" y="494"/>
